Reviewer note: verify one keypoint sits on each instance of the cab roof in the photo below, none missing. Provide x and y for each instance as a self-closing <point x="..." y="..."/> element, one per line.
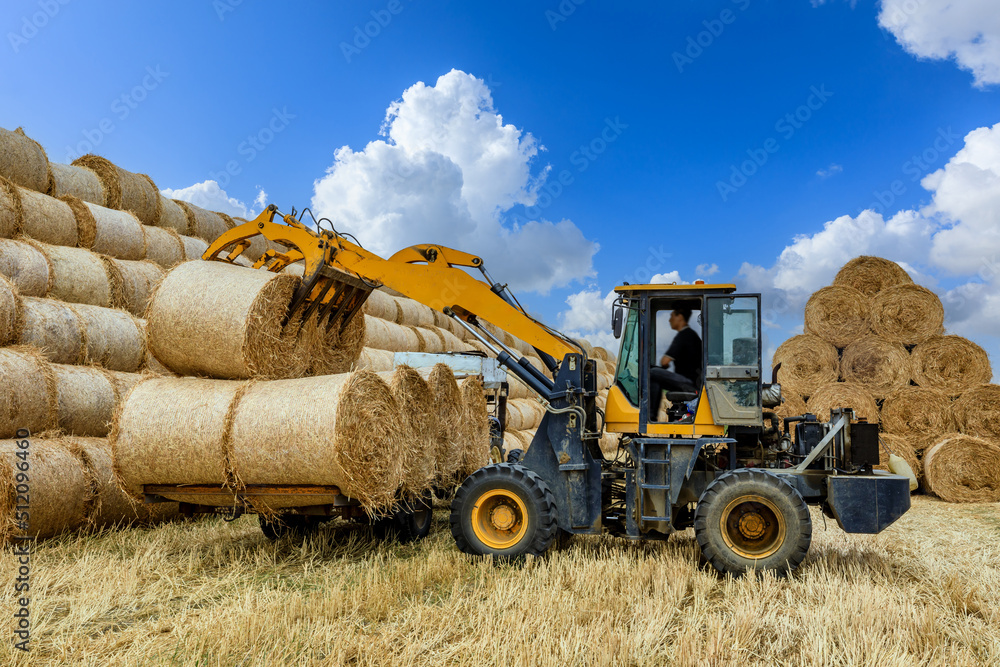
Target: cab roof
<point x="674" y="289"/>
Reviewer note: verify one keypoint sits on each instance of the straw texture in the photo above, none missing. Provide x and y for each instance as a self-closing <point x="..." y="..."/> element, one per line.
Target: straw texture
<point x="172" y="216"/>
<point x="907" y="314"/>
<point x="23" y="160"/>
<point x="384" y="335"/>
<point x="86" y="399"/>
<point x="837" y="314"/>
<point x="124" y="190"/>
<point x="807" y="362"/>
<point x="475" y="427"/>
<point x="104" y="230"/>
<point x="963" y="469"/>
<point x="78" y="182"/>
<point x="194" y="248"/>
<point x="902" y="447"/>
<point x="163" y="246"/>
<point x="448" y="406"/>
<point x="951" y="364"/>
<point x="206" y="225"/>
<point x="42" y="217"/>
<point x="977" y="411"/>
<point x="917" y="411"/>
<point x="79" y="276"/>
<point x="25" y="266"/>
<point x="112" y="338"/>
<point x="341" y="430"/>
<point x="27" y="394"/>
<point x="870" y="275"/>
<point x="881" y="366"/>
<point x="375" y="360"/>
<point x="54" y="328"/>
<point x="843" y="395"/>
<point x="416" y="404"/>
<point x="138" y="281"/>
<point x="10" y="312"/>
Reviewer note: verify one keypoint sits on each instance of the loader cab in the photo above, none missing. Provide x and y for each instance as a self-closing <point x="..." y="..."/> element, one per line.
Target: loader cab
<point x="728" y="392"/>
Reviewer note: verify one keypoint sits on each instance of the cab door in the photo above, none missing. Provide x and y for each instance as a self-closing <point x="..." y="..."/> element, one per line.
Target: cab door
<point x="732" y="358"/>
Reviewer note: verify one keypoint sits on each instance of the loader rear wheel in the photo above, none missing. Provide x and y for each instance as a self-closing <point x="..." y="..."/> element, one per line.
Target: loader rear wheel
<point x="750" y="520"/>
<point x="504" y="510"/>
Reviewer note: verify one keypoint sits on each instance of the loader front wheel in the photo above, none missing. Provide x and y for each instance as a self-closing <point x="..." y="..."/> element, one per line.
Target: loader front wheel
<point x="750" y="520"/>
<point x="504" y="510"/>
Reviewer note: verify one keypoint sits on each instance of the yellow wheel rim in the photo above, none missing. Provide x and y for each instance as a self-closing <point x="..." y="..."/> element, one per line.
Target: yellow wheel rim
<point x="499" y="519"/>
<point x="753" y="527"/>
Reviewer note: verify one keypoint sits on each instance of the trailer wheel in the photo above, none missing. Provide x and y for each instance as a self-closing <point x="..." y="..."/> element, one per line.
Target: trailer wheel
<point x="750" y="520"/>
<point x="504" y="510"/>
<point x="412" y="520"/>
<point x="296" y="525"/>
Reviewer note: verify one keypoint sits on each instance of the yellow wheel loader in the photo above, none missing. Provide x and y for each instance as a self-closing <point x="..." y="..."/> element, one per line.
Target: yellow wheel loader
<point x="716" y="460"/>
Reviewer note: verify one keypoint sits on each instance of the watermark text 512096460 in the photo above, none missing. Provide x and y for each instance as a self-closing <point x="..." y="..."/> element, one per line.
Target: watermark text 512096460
<point x="22" y="545"/>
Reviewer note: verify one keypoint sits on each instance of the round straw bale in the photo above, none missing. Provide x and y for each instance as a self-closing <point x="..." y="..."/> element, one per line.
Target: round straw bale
<point x="194" y="248"/>
<point x="78" y="182"/>
<point x="381" y="305"/>
<point x="837" y="314"/>
<point x="807" y="361"/>
<point x="604" y="381"/>
<point x="23" y="160"/>
<point x="416" y="403"/>
<point x="42" y="217"/>
<point x="54" y="328"/>
<point x="478" y="346"/>
<point x="61" y="491"/>
<point x="25" y="266"/>
<point x="523" y="414"/>
<point x="173" y="216"/>
<point x="512" y="440"/>
<point x="113" y="338"/>
<point x="448" y="406"/>
<point x="963" y="469"/>
<point x="375" y="360"/>
<point x="220" y="320"/>
<point x="151" y="365"/>
<point x="879" y="365"/>
<point x="951" y="364"/>
<point x="139" y="279"/>
<point x="415" y="314"/>
<point x="123" y="382"/>
<point x="390" y="336"/>
<point x="843" y="395"/>
<point x="602" y="401"/>
<point x="452" y="343"/>
<point x="609" y="445"/>
<point x="124" y="190"/>
<point x="901" y="446"/>
<point x="206" y="225"/>
<point x="431" y="340"/>
<point x="174" y="431"/>
<point x="339" y="430"/>
<point x="977" y="411"/>
<point x="870" y="275"/>
<point x="163" y="246"/>
<point x="107" y="231"/>
<point x="917" y="411"/>
<point x="27" y="394"/>
<point x="86" y="398"/>
<point x="600" y="353"/>
<point x="10" y="209"/>
<point x="78" y="275"/>
<point x="475" y="427"/>
<point x="907" y="314"/>
<point x="792" y="405"/>
<point x="517" y="389"/>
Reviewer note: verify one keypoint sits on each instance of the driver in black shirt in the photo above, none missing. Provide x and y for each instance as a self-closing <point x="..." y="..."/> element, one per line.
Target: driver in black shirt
<point x="685" y="352"/>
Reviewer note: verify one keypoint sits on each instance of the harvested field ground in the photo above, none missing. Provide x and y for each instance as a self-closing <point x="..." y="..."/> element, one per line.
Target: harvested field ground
<point x="926" y="591"/>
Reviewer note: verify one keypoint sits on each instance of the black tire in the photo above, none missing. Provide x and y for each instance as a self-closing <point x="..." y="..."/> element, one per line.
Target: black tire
<point x="288" y="525"/>
<point x="515" y="455"/>
<point x="411" y="521"/>
<point x="504" y="510"/>
<point x="751" y="520"/>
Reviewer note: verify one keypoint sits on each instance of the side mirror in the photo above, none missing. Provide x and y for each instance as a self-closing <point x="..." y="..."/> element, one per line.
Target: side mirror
<point x="616" y="321"/>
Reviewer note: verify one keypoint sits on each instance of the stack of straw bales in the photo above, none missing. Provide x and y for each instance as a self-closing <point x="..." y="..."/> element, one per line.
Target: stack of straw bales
<point x="875" y="342"/>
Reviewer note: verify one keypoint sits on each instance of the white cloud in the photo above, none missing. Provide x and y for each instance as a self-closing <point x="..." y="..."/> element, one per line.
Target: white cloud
<point x="832" y="170"/>
<point x="966" y="30"/>
<point x="706" y="270"/>
<point x="446" y="173"/>
<point x="209" y="195"/>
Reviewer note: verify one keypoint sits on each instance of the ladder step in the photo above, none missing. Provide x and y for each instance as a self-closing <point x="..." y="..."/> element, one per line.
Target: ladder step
<point x="655" y="487"/>
<point x="655" y="518"/>
<point x="660" y="461"/>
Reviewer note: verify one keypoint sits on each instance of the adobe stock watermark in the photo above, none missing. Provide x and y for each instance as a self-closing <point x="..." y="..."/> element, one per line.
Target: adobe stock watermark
<point x="121" y="108"/>
<point x="562" y="12"/>
<point x="786" y="127"/>
<point x="698" y="43"/>
<point x="581" y="159"/>
<point x="364" y="34"/>
<point x="223" y="7"/>
<point x="916" y="167"/>
<point x="33" y="24"/>
<point x="254" y="145"/>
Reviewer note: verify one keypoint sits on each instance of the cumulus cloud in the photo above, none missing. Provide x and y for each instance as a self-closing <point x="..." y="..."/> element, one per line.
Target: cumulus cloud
<point x="706" y="270"/>
<point x="210" y="196"/>
<point x="956" y="234"/>
<point x="967" y="31"/>
<point x="832" y="170"/>
<point x="446" y="172"/>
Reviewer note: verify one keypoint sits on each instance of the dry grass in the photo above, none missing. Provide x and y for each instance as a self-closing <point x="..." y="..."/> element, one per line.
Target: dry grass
<point x="212" y="593"/>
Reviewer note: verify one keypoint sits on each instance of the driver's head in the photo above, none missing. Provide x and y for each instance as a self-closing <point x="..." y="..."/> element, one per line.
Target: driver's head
<point x="679" y="318"/>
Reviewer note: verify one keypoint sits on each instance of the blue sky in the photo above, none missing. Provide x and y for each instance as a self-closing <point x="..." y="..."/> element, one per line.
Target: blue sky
<point x="670" y="98"/>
